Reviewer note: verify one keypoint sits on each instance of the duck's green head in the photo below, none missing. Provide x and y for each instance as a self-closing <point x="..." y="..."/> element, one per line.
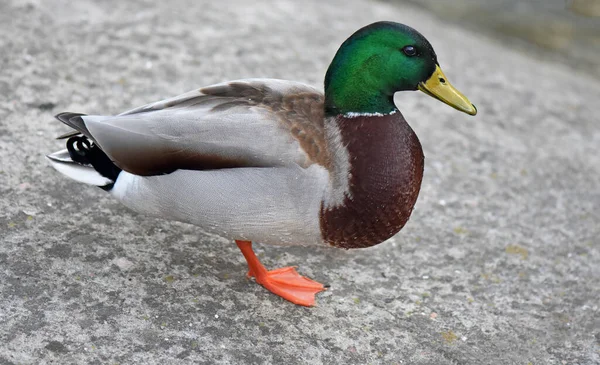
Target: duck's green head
<point x="379" y="60"/>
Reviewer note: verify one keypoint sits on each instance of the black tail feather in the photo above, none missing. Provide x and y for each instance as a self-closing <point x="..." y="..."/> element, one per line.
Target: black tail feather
<point x="85" y="152"/>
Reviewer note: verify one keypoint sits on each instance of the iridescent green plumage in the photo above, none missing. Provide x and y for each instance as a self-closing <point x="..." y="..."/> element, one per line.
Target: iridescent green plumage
<point x="371" y="66"/>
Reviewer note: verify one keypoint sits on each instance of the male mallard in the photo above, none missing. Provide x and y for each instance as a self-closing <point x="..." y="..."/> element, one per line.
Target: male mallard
<point x="275" y="161"/>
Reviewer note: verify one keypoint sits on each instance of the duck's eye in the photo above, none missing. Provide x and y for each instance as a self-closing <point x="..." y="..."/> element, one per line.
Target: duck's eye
<point x="409" y="51"/>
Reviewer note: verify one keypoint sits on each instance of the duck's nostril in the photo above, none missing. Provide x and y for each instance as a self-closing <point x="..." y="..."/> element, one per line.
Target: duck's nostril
<point x="442" y="80"/>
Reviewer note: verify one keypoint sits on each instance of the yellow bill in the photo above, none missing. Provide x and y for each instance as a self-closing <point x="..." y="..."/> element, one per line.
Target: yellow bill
<point x="439" y="87"/>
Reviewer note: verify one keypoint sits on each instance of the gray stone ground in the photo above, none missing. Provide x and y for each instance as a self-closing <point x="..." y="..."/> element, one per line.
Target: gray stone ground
<point x="498" y="265"/>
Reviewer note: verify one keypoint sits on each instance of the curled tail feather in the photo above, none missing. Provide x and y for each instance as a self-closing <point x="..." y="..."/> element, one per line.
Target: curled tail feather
<point x="83" y="160"/>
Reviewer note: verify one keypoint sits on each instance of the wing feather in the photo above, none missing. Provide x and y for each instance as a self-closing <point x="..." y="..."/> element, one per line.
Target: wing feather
<point x="255" y="122"/>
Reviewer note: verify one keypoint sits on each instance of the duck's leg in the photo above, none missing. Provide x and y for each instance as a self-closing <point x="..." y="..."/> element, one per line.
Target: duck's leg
<point x="285" y="282"/>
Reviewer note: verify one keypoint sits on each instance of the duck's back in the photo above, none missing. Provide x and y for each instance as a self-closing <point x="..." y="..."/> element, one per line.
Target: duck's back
<point x="245" y="123"/>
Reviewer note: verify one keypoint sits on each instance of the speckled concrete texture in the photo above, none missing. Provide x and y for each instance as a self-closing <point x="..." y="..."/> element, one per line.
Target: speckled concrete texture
<point x="500" y="263"/>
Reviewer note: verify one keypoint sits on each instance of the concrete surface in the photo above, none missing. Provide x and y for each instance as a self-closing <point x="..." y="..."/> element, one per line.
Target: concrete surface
<point x="565" y="30"/>
<point x="498" y="265"/>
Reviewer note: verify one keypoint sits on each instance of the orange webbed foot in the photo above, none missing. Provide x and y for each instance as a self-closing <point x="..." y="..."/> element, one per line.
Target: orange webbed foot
<point x="285" y="282"/>
<point x="288" y="284"/>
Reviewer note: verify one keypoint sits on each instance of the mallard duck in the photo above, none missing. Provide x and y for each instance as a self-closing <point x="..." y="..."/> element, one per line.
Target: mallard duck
<point x="273" y="161"/>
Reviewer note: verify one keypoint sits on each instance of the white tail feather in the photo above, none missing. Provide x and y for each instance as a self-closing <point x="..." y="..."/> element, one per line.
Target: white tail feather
<point x="83" y="173"/>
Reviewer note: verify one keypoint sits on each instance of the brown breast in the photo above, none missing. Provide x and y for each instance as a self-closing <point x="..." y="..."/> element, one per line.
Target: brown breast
<point x="386" y="169"/>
